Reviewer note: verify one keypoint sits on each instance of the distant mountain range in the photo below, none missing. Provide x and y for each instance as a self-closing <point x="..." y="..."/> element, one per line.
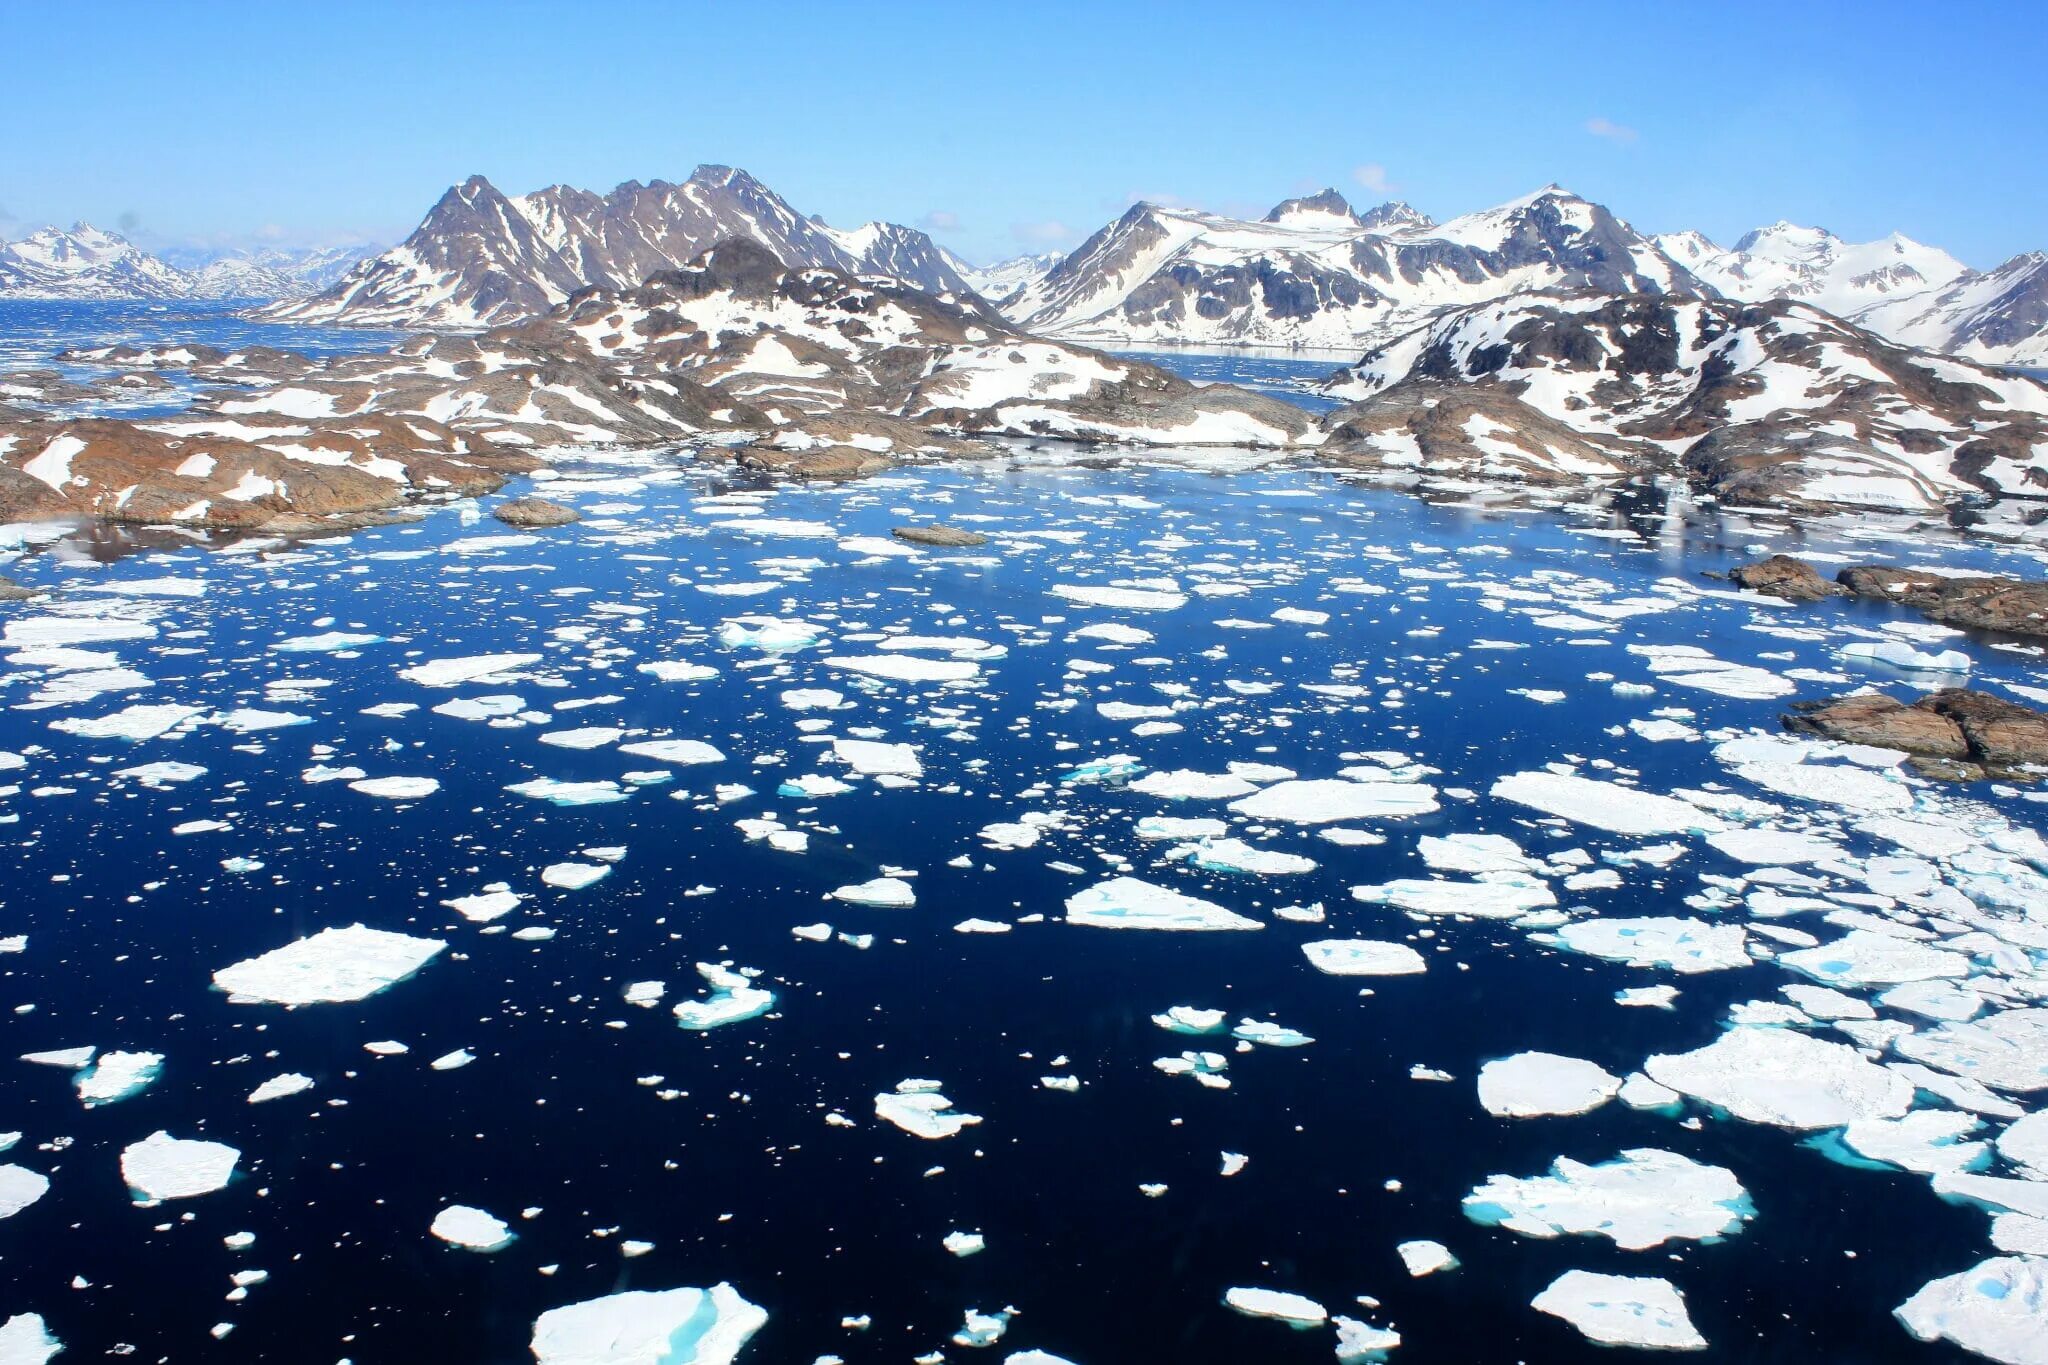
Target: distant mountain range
<point x="85" y="262"/>
<point x="1313" y="272"/>
<point x="481" y="258"/>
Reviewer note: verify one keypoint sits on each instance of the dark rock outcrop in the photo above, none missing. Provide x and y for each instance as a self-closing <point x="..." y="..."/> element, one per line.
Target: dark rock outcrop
<point x="1786" y="577"/>
<point x="2015" y="606"/>
<point x="1968" y="733"/>
<point x="535" y="513"/>
<point x="950" y="537"/>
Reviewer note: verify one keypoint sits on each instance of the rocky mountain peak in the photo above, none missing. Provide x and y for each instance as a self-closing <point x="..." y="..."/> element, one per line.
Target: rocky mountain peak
<point x="1324" y="203"/>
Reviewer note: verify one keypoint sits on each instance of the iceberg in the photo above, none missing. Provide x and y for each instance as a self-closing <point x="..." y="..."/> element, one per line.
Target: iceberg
<point x="649" y="1327"/>
<point x="117" y="1075"/>
<point x="1317" y="801"/>
<point x="1643" y="1198"/>
<point x="1424" y="1257"/>
<point x="681" y="752"/>
<point x="1498" y="896"/>
<point x="471" y="1228"/>
<point x="888" y="893"/>
<point x="19" y="1188"/>
<point x="1296" y="1309"/>
<point x="1605" y="805"/>
<point x="474" y="668"/>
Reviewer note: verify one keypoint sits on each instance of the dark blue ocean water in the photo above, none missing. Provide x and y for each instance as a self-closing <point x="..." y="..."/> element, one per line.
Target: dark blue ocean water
<point x="740" y="1177"/>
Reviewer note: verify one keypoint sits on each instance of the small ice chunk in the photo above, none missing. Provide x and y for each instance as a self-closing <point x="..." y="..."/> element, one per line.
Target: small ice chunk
<point x="888" y="893"/>
<point x="117" y="1075"/>
<point x="918" y="1108"/>
<point x="733" y="998"/>
<point x="1424" y="1257"/>
<point x="463" y="1226"/>
<point x="1297" y="1309"/>
<point x="278" y="1087"/>
<point x="964" y="1243"/>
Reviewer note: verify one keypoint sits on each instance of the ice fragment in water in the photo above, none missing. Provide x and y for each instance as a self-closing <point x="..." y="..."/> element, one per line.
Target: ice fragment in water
<point x="1997" y="1309"/>
<point x="918" y="1108"/>
<point x="1622" y="1310"/>
<point x="1127" y="903"/>
<point x="464" y="1226"/>
<point x="1783" y="1077"/>
<point x="649" y="1327"/>
<point x="733" y="998"/>
<point x="1641" y="1199"/>
<point x="333" y="965"/>
<point x="1363" y="957"/>
<point x="163" y="1167"/>
<point x="1531" y="1084"/>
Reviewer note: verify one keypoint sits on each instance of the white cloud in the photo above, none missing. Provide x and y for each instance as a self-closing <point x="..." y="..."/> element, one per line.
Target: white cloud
<point x="1051" y="232"/>
<point x="1373" y="176"/>
<point x="939" y="220"/>
<point x="1612" y="131"/>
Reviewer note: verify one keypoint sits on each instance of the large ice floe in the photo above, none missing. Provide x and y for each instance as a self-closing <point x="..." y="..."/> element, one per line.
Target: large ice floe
<point x="1784" y="1077"/>
<point x="161" y="1167"/>
<point x="1998" y="1309"/>
<point x="1128" y="903"/>
<point x="1641" y="1199"/>
<point x="649" y="1327"/>
<point x="1531" y="1084"/>
<point x="1622" y="1310"/>
<point x="334" y="965"/>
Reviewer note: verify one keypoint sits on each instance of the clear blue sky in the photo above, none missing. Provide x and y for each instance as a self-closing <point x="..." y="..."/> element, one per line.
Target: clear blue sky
<point x="1015" y="126"/>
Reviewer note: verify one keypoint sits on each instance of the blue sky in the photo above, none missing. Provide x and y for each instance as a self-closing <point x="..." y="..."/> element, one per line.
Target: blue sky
<point x="1010" y="127"/>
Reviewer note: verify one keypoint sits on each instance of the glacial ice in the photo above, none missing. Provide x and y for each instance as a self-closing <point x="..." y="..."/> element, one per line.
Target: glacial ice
<point x="25" y="1340"/>
<point x="1425" y="1257"/>
<point x="333" y="965"/>
<point x="1498" y="896"/>
<point x="1679" y="942"/>
<point x="117" y="1075"/>
<point x="1296" y="1309"/>
<point x="888" y="893"/>
<point x="681" y="752"/>
<point x="475" y="668"/>
<point x="19" y="1188"/>
<point x="1866" y="958"/>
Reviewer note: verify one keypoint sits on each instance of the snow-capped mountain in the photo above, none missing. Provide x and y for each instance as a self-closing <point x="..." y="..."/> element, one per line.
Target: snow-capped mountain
<point x="1912" y="293"/>
<point x="481" y="257"/>
<point x="86" y="262"/>
<point x="1775" y="403"/>
<point x="997" y="282"/>
<point x="1315" y="272"/>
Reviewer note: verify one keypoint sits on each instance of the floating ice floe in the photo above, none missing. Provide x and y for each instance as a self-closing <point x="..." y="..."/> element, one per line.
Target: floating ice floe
<point x="1641" y="1199"/>
<point x="1679" y="942"/>
<point x="888" y="893"/>
<point x="471" y="1228"/>
<point x="1184" y="785"/>
<point x="872" y="758"/>
<point x="19" y="1188"/>
<point x="649" y="1327"/>
<point x="733" y="998"/>
<point x="1866" y="958"/>
<point x="474" y="668"/>
<point x="1129" y="599"/>
<point x="1296" y="1309"/>
<point x="921" y="1110"/>
<point x="117" y="1075"/>
<point x="2006" y="1051"/>
<point x="584" y="738"/>
<point x="1190" y="1020"/>
<point x="279" y="1087"/>
<point x="1691" y="666"/>
<point x="333" y="965"/>
<point x="983" y="1329"/>
<point x="397" y="788"/>
<point x="964" y="1243"/>
<point x="493" y="902"/>
<point x="1533" y="1084"/>
<point x="674" y="672"/>
<point x="1497" y="896"/>
<point x="1605" y="805"/>
<point x="1127" y="903"/>
<point x="1997" y="1309"/>
<point x="680" y="752"/>
<point x="1786" y="1078"/>
<point x="163" y="1167"/>
<point x="132" y="722"/>
<point x="905" y="667"/>
<point x="329" y="643"/>
<point x="25" y="1340"/>
<point x="1235" y="855"/>
<point x="569" y="793"/>
<point x="1622" y="1310"/>
<point x="1206" y="1068"/>
<point x="573" y="876"/>
<point x="1363" y="957"/>
<point x="1317" y="801"/>
<point x="1424" y="1257"/>
<point x="770" y="634"/>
